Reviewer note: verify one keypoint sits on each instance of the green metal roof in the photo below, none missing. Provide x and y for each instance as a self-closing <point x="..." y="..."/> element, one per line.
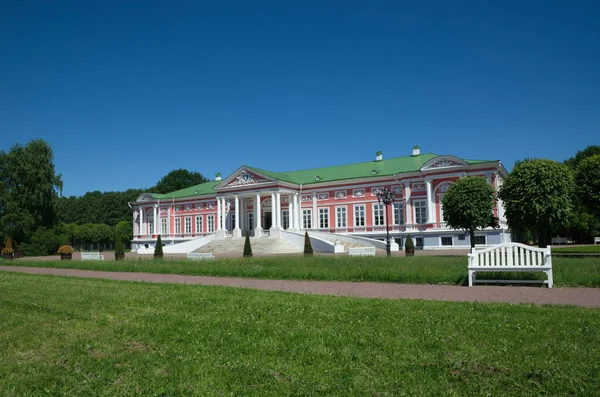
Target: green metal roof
<point x="196" y="190"/>
<point x="369" y="169"/>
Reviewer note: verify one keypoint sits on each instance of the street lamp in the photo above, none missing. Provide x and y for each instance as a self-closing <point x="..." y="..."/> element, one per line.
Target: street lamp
<point x="386" y="197"/>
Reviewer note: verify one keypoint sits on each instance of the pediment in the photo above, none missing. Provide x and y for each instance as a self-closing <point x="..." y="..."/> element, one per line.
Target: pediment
<point x="145" y="197"/>
<point x="442" y="162"/>
<point x="244" y="177"/>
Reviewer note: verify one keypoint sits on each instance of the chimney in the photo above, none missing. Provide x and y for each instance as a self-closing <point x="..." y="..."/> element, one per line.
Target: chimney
<point x="379" y="156"/>
<point x="416" y="151"/>
<point x="218" y="176"/>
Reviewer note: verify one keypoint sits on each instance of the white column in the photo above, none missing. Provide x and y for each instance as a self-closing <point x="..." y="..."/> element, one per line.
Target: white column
<point x="298" y="213"/>
<point x="155" y="219"/>
<point x="315" y="216"/>
<point x="409" y="216"/>
<point x="169" y="221"/>
<point x="257" y="216"/>
<point x="218" y="213"/>
<point x="430" y="203"/>
<point x="142" y="220"/>
<point x="278" y="198"/>
<point x="236" y="231"/>
<point x="291" y="210"/>
<point x="273" y="210"/>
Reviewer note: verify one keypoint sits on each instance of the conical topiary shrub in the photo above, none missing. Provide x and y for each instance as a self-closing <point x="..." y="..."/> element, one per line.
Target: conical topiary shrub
<point x="119" y="251"/>
<point x="158" y="251"/>
<point x="308" y="250"/>
<point x="409" y="246"/>
<point x="247" y="246"/>
<point x="7" y="252"/>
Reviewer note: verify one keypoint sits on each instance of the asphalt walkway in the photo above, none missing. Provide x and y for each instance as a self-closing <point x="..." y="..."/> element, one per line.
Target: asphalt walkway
<point x="586" y="297"/>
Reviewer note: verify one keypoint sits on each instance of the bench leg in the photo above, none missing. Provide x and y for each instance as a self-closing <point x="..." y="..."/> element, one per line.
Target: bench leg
<point x="550" y="279"/>
<point x="471" y="277"/>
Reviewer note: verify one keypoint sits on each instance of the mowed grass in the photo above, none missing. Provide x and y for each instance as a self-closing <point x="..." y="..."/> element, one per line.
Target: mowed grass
<point x="72" y="336"/>
<point x="586" y="249"/>
<point x="416" y="270"/>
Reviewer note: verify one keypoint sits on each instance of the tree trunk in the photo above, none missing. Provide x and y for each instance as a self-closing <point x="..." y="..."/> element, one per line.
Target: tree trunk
<point x="542" y="238"/>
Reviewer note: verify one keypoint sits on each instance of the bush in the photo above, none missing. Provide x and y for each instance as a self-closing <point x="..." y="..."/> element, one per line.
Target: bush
<point x="119" y="245"/>
<point x="7" y="251"/>
<point x="247" y="246"/>
<point x="158" y="250"/>
<point x="9" y="244"/>
<point x="65" y="249"/>
<point x="409" y="246"/>
<point x="308" y="250"/>
<point x="44" y="242"/>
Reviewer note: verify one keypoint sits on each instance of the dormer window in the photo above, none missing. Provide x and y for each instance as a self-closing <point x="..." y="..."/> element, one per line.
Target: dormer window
<point x="374" y="172"/>
<point x="317" y="178"/>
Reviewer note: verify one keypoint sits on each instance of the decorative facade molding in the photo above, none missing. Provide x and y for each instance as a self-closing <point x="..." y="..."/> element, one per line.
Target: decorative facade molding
<point x="418" y="187"/>
<point x="442" y="187"/>
<point x="340" y="194"/>
<point x="440" y="162"/>
<point x="375" y="190"/>
<point x="323" y="196"/>
<point x="145" y="197"/>
<point x="306" y="198"/>
<point x="397" y="190"/>
<point x="245" y="178"/>
<point x="358" y="193"/>
<point x="163" y="209"/>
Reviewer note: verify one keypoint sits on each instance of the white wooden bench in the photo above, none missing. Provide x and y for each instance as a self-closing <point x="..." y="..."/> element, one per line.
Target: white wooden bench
<point x="559" y="240"/>
<point x="92" y="256"/>
<point x="361" y="251"/>
<point x="596" y="240"/>
<point x="510" y="257"/>
<point x="200" y="255"/>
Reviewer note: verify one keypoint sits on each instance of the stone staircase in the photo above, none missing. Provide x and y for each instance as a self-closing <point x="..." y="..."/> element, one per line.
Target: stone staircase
<point x="260" y="246"/>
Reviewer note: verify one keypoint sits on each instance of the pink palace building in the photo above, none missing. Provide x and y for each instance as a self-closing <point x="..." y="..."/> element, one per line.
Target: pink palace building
<point x="333" y="204"/>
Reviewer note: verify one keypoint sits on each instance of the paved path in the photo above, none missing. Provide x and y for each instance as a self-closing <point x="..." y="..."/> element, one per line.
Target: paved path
<point x="588" y="297"/>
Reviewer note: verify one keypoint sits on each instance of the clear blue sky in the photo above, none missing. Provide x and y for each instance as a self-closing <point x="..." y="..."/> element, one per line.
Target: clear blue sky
<point x="126" y="91"/>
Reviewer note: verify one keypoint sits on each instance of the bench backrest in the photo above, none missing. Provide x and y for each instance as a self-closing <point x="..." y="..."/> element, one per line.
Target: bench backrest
<point x="510" y="255"/>
<point x="361" y="251"/>
<point x="200" y="255"/>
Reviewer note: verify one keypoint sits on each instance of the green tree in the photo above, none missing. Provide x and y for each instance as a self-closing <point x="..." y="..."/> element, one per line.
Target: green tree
<point x="468" y="204"/>
<point x="538" y="198"/>
<point x="247" y="246"/>
<point x="178" y="179"/>
<point x="29" y="189"/>
<point x="125" y="230"/>
<point x="581" y="155"/>
<point x="69" y="230"/>
<point x="587" y="177"/>
<point x="118" y="246"/>
<point x="308" y="249"/>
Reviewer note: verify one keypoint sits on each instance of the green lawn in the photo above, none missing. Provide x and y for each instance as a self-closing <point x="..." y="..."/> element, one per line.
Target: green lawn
<point x="587" y="249"/>
<point x="71" y="336"/>
<point x="418" y="269"/>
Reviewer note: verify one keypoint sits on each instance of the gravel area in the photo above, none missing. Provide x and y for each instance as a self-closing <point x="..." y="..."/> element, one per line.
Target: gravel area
<point x="587" y="297"/>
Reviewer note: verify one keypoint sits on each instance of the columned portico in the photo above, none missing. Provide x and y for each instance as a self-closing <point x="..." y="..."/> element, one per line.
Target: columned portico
<point x="237" y="232"/>
<point x="298" y="213"/>
<point x="275" y="214"/>
<point x="155" y="219"/>
<point x="142" y="231"/>
<point x="220" y="233"/>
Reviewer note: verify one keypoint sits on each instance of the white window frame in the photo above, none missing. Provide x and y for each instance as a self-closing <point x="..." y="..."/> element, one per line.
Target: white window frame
<point x="285" y="219"/>
<point x="250" y="221"/>
<point x="378" y="220"/>
<point x="323" y="217"/>
<point x="442" y="241"/>
<point x="210" y="223"/>
<point x="343" y="212"/>
<point x="199" y="223"/>
<point x="307" y="218"/>
<point x="360" y="212"/>
<point x="484" y="239"/>
<point x="187" y="225"/>
<point x="398" y="212"/>
<point x="420" y="218"/>
<point x="178" y="225"/>
<point x="163" y="226"/>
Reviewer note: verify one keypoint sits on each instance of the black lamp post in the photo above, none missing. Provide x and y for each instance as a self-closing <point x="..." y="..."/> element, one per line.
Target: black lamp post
<point x="386" y="197"/>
